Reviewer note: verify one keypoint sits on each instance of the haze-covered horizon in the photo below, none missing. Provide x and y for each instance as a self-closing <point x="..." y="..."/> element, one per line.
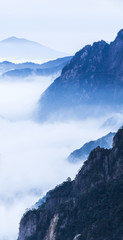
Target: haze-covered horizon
<point x="55" y="23"/>
<point x="16" y="50"/>
<point x="33" y="154"/>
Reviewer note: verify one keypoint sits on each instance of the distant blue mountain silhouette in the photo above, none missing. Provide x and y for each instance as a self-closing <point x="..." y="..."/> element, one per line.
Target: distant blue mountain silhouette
<point x="26" y="69"/>
<point x="21" y="48"/>
<point x="82" y="153"/>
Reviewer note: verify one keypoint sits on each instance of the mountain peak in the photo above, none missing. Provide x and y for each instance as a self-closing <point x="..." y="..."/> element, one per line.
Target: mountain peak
<point x="99" y="44"/>
<point x="22" y="48"/>
<point x="93" y="75"/>
<point x="118" y="138"/>
<point x="14" y="39"/>
<point x="11" y="38"/>
<point x="120" y="35"/>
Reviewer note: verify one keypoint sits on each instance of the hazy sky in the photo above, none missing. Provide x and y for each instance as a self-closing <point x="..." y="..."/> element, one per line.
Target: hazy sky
<point x="65" y="25"/>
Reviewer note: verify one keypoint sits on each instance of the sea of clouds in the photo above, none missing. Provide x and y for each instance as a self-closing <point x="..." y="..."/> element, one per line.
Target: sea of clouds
<point x="32" y="155"/>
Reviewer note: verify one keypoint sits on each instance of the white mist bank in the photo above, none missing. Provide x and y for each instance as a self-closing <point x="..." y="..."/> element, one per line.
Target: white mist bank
<point x="18" y="97"/>
<point x="33" y="160"/>
<point x="33" y="156"/>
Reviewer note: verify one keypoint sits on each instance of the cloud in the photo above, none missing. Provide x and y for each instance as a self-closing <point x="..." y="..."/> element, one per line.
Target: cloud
<point x="33" y="159"/>
<point x="33" y="156"/>
<point x="19" y="97"/>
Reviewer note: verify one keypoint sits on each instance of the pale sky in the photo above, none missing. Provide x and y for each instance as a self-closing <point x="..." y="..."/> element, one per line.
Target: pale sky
<point x="65" y="25"/>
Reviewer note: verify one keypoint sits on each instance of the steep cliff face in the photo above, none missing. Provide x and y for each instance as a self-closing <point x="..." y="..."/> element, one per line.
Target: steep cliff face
<point x="94" y="76"/>
<point x="88" y="208"/>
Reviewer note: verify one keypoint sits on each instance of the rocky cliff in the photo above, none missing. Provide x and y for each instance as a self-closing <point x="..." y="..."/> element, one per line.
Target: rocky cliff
<point x="87" y="208"/>
<point x="94" y="76"/>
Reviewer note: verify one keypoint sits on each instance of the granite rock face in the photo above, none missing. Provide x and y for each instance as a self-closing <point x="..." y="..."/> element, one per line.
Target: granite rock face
<point x="94" y="76"/>
<point x="87" y="208"/>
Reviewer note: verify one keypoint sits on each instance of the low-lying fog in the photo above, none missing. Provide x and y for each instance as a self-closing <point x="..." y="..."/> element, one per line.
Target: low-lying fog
<point x="33" y="156"/>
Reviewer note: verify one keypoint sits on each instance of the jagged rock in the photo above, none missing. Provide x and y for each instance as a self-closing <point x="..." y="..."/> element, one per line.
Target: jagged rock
<point x="94" y="76"/>
<point x="87" y="208"/>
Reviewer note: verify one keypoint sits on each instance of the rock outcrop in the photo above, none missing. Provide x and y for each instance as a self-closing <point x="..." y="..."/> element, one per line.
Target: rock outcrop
<point x="93" y="77"/>
<point x="87" y="208"/>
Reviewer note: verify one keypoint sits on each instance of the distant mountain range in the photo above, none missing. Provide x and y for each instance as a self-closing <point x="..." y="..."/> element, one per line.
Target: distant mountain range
<point x="88" y="208"/>
<point x="22" y="49"/>
<point x="12" y="70"/>
<point x="94" y="77"/>
<point x="82" y="153"/>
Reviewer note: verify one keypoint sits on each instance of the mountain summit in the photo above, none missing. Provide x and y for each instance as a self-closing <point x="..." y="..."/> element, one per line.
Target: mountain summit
<point x="15" y="40"/>
<point x="120" y="35"/>
<point x="94" y="76"/>
<point x="21" y="48"/>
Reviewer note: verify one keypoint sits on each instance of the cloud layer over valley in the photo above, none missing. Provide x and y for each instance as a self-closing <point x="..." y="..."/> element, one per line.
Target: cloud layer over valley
<point x="32" y="155"/>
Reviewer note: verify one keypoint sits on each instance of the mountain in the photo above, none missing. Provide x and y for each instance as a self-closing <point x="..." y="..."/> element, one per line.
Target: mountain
<point x="18" y="73"/>
<point x="26" y="69"/>
<point x="94" y="77"/>
<point x="19" y="49"/>
<point x="88" y="208"/>
<point x="82" y="153"/>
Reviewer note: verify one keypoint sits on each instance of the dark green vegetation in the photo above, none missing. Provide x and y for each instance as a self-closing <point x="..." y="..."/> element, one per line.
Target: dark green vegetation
<point x="88" y="208"/>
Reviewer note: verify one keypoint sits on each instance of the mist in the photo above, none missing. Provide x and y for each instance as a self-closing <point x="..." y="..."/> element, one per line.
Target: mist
<point x="18" y="97"/>
<point x="32" y="155"/>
